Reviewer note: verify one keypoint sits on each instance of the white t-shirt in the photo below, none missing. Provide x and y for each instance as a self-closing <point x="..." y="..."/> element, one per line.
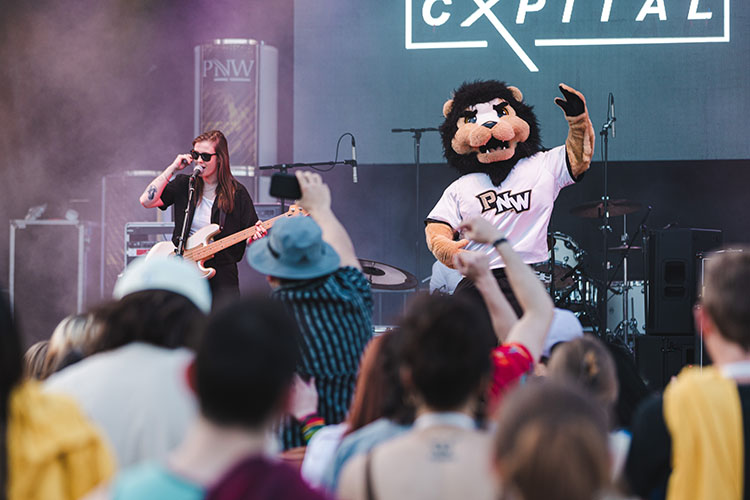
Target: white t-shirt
<point x="202" y="216"/>
<point x="520" y="207"/>
<point x="136" y="394"/>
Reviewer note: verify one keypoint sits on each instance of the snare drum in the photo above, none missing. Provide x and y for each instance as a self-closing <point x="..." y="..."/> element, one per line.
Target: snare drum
<point x="636" y="306"/>
<point x="568" y="255"/>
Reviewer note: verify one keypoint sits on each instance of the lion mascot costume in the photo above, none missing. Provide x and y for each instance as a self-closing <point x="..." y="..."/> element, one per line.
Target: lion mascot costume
<point x="491" y="136"/>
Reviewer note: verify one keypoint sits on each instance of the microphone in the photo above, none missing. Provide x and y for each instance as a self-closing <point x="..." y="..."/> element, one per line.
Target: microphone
<point x="354" y="161"/>
<point x="612" y="112"/>
<point x="198" y="170"/>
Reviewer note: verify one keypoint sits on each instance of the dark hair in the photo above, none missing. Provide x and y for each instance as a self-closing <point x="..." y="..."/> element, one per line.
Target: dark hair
<point x="11" y="373"/>
<point x="157" y="317"/>
<point x="552" y="443"/>
<point x="246" y="361"/>
<point x="446" y="349"/>
<point x="727" y="287"/>
<point x="227" y="184"/>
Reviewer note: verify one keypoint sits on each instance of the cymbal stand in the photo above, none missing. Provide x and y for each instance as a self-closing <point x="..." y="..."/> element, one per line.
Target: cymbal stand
<point x="628" y="323"/>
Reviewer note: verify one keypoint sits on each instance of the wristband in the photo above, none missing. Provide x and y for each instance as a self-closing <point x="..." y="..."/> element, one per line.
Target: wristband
<point x="499" y="241"/>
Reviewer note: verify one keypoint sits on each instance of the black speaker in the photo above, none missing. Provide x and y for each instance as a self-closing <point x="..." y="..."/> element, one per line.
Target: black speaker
<point x="672" y="273"/>
<point x="660" y="358"/>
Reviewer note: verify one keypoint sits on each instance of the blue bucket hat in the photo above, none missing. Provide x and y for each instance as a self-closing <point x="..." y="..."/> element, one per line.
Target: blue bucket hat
<point x="294" y="249"/>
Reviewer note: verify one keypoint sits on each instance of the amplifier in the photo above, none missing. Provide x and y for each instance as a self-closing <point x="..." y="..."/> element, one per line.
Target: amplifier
<point x="141" y="236"/>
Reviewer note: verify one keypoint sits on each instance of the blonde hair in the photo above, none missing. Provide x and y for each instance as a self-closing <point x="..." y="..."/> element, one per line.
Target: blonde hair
<point x="75" y="332"/>
<point x="587" y="361"/>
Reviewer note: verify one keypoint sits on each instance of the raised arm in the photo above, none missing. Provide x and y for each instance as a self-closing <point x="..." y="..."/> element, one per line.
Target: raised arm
<point x="538" y="309"/>
<point x="316" y="199"/>
<point x="151" y="196"/>
<point x="580" y="141"/>
<point x="475" y="266"/>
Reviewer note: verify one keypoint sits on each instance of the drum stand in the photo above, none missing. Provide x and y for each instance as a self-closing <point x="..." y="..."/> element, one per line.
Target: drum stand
<point x="628" y="325"/>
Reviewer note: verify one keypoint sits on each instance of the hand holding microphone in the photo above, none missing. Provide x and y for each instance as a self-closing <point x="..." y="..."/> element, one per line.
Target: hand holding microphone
<point x="181" y="161"/>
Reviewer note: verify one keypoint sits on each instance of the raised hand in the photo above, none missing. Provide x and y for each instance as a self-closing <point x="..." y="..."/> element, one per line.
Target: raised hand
<point x="574" y="103"/>
<point x="480" y="230"/>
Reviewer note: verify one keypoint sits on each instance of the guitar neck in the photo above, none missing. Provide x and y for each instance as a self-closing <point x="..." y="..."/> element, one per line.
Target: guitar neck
<point x="204" y="252"/>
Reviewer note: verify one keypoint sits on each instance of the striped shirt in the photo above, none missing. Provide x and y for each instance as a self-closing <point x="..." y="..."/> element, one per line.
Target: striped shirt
<point x="334" y="314"/>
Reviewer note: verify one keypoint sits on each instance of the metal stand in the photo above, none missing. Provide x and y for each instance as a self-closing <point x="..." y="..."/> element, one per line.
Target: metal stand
<point x="605" y="228"/>
<point x="417" y="135"/>
<point x="183" y="236"/>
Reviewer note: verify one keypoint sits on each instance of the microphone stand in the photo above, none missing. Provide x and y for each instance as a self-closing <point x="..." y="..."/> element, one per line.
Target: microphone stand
<point x="181" y="241"/>
<point x="284" y="168"/>
<point x="605" y="227"/>
<point x="417" y="135"/>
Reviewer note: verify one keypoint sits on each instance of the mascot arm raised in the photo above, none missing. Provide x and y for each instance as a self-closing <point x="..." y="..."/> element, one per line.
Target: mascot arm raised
<point x="580" y="141"/>
<point x="440" y="242"/>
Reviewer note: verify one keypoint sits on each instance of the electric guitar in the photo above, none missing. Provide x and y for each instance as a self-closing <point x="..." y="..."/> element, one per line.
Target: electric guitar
<point x="199" y="247"/>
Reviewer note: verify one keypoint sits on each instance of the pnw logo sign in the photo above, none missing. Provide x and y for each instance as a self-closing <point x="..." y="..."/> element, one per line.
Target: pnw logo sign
<point x="228" y="70"/>
<point x="505" y="201"/>
<point x="447" y="25"/>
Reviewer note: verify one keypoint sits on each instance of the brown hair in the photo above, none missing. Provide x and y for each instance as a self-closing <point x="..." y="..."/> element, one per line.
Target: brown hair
<point x="552" y="443"/>
<point x="227" y="184"/>
<point x="587" y="361"/>
<point x="726" y="292"/>
<point x="369" y="393"/>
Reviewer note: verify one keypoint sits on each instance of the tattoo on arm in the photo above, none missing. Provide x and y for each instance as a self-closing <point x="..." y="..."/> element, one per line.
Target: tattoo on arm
<point x="151" y="192"/>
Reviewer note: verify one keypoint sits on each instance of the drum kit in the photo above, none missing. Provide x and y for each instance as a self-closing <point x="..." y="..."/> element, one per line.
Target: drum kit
<point x="612" y="308"/>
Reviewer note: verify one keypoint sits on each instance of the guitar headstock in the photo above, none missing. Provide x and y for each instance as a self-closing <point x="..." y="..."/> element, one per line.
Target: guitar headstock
<point x="295" y="210"/>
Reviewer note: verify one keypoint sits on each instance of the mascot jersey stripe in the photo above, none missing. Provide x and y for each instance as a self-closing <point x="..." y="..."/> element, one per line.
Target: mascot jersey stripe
<point x="520" y="207"/>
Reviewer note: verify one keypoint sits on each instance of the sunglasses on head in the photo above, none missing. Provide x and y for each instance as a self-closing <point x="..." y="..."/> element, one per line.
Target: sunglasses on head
<point x="203" y="156"/>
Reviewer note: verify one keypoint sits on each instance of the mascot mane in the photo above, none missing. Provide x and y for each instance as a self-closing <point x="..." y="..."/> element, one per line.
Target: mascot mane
<point x="472" y="93"/>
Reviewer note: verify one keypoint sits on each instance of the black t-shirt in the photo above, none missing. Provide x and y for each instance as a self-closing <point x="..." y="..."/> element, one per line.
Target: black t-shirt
<point x="242" y="216"/>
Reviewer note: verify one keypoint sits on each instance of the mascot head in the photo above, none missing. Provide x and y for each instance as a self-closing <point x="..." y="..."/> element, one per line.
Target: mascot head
<point x="488" y="128"/>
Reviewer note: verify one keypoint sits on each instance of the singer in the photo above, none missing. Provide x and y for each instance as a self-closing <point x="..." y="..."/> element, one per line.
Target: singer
<point x="219" y="199"/>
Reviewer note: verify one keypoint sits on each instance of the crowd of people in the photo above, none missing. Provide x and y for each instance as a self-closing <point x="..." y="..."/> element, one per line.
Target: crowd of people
<point x="161" y="393"/>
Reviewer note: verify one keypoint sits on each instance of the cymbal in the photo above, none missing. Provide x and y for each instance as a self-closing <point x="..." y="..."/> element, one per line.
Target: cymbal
<point x="624" y="247"/>
<point x="595" y="209"/>
<point x="384" y="277"/>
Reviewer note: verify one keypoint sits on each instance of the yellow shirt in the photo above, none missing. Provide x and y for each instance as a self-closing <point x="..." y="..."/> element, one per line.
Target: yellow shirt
<point x="53" y="451"/>
<point x="704" y="417"/>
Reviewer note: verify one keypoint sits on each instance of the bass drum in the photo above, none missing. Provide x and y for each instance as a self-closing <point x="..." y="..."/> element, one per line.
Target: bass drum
<point x="567" y="256"/>
<point x="636" y="306"/>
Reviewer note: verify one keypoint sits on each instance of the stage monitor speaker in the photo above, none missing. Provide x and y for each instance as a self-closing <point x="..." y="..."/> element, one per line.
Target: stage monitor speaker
<point x="659" y="358"/>
<point x="673" y="265"/>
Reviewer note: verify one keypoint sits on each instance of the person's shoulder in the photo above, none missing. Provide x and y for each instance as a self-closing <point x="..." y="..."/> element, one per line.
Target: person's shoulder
<point x="151" y="480"/>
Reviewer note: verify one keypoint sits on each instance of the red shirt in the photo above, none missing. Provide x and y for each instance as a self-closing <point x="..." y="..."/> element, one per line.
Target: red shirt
<point x="511" y="363"/>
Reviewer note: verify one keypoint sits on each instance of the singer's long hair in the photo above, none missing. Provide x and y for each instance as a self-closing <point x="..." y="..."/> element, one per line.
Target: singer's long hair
<point x="227" y="183"/>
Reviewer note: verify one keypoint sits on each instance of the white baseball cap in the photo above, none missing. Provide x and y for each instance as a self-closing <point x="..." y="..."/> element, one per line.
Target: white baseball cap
<point x="165" y="273"/>
<point x="564" y="328"/>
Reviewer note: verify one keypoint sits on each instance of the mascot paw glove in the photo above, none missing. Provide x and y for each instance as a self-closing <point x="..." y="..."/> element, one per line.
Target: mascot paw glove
<point x="440" y="242"/>
<point x="580" y="141"/>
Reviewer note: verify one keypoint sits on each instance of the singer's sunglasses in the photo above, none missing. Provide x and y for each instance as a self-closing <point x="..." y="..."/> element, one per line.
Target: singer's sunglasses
<point x="203" y="156"/>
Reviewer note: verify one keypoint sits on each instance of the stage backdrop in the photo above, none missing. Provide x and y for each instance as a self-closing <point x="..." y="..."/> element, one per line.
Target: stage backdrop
<point x="677" y="70"/>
